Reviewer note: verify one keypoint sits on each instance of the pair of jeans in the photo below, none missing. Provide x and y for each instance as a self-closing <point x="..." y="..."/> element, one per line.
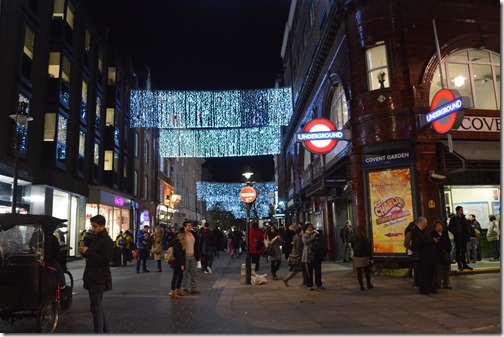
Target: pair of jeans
<point x="96" y="307"/>
<point x="255" y="259"/>
<point x="460" y="250"/>
<point x="189" y="273"/>
<point x="178" y="275"/>
<point x="207" y="258"/>
<point x="143" y="254"/>
<point x="472" y="249"/>
<point x="495" y="248"/>
<point x="275" y="265"/>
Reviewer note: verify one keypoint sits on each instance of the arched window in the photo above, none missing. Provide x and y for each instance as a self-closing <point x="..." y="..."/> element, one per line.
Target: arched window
<point x="474" y="73"/>
<point x="339" y="110"/>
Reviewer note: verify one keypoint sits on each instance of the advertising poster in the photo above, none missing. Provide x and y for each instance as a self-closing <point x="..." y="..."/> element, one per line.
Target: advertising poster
<point x="391" y="205"/>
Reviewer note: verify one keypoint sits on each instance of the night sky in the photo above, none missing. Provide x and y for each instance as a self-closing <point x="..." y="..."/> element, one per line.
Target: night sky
<point x="201" y="45"/>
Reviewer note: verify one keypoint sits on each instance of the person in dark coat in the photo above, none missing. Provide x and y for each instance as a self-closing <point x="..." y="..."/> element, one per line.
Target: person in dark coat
<point x="443" y="249"/>
<point x="208" y="247"/>
<point x="98" y="256"/>
<point x="459" y="227"/>
<point x="363" y="255"/>
<point x="425" y="246"/>
<point x="179" y="245"/>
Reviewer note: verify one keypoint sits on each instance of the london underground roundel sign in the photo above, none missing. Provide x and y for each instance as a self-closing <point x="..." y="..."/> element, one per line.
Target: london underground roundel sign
<point x="248" y="194"/>
<point x="445" y="114"/>
<point x="316" y="134"/>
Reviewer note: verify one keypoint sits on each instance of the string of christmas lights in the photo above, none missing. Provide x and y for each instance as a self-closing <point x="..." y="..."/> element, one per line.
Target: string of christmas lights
<point x="227" y="195"/>
<point x="208" y="143"/>
<point x="210" y="109"/>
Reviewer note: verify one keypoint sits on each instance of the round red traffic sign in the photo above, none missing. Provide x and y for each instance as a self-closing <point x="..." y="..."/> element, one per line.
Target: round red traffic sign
<point x="320" y="146"/>
<point x="445" y="124"/>
<point x="248" y="194"/>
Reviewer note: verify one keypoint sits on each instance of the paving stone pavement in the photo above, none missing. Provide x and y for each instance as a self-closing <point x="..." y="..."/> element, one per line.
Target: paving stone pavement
<point x="139" y="303"/>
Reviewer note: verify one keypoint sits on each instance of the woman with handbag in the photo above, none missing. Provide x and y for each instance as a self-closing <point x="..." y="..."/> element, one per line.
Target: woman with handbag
<point x="443" y="249"/>
<point x="294" y="259"/>
<point x="157" y="247"/>
<point x="275" y="257"/>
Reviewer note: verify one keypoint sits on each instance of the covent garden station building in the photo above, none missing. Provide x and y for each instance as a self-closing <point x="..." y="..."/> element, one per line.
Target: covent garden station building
<point x="414" y="86"/>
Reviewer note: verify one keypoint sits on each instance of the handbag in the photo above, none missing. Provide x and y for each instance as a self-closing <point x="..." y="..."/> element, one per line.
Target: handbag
<point x="259" y="245"/>
<point x="269" y="251"/>
<point x="134" y="253"/>
<point x="293" y="260"/>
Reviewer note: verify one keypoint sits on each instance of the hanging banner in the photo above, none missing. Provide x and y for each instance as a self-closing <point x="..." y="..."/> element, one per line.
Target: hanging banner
<point x="391" y="205"/>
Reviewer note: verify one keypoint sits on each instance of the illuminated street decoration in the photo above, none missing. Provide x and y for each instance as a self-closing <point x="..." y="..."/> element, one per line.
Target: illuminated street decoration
<point x="227" y="196"/>
<point x="237" y="142"/>
<point x="210" y="109"/>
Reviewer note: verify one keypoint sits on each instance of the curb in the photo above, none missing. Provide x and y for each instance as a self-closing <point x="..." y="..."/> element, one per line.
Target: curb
<point x="476" y="270"/>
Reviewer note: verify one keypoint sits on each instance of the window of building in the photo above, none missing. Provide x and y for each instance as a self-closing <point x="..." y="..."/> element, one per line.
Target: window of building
<point x="70" y="15"/>
<point x="65" y="69"/>
<point x="377" y="67"/>
<point x="22" y="131"/>
<point x="306" y="33"/>
<point x="339" y="108"/>
<point x="107" y="160"/>
<point x="473" y="73"/>
<point x="84" y="96"/>
<point x="100" y="63"/>
<point x="59" y="10"/>
<point x="137" y="144"/>
<point x="146" y="152"/>
<point x="57" y="63"/>
<point x="116" y="137"/>
<point x="87" y="42"/>
<point x="98" y="114"/>
<point x="96" y="154"/>
<point x="61" y="141"/>
<point x="135" y="183"/>
<point x="109" y="117"/>
<point x="49" y="126"/>
<point x="146" y="187"/>
<point x="312" y="14"/>
<point x="82" y="150"/>
<point x="111" y="78"/>
<point x="116" y="163"/>
<point x="29" y="42"/>
<point x="306" y="158"/>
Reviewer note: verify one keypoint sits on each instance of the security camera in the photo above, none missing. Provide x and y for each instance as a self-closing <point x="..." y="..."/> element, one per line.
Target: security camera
<point x="434" y="175"/>
<point x="348" y="186"/>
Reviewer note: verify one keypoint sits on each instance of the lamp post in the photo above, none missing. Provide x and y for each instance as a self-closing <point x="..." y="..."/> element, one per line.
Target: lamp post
<point x="248" y="261"/>
<point x="21" y="118"/>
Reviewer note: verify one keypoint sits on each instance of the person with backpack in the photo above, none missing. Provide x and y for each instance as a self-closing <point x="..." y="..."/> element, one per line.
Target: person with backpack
<point x="314" y="252"/>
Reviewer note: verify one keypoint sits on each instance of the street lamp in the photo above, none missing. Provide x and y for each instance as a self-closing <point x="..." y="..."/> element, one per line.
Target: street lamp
<point x="248" y="261"/>
<point x="21" y="118"/>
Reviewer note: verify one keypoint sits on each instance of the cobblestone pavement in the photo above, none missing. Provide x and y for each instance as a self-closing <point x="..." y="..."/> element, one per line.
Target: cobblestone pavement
<point x="139" y="303"/>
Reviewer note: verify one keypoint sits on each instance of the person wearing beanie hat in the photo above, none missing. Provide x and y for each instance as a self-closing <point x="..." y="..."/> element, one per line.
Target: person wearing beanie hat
<point x="97" y="277"/>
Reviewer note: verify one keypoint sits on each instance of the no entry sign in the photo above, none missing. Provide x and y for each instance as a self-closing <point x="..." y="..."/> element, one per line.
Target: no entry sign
<point x="320" y="136"/>
<point x="248" y="194"/>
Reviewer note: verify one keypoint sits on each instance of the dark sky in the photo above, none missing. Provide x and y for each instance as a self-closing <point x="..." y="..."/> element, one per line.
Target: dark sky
<point x="201" y="45"/>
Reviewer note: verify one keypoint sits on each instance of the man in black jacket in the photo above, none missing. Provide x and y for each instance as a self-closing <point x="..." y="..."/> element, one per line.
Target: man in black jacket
<point x="424" y="245"/>
<point x="98" y="256"/>
<point x="459" y="227"/>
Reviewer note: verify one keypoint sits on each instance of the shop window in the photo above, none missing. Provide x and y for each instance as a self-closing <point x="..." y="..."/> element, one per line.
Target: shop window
<point x="473" y="73"/>
<point x="339" y="108"/>
<point x="84" y="97"/>
<point x="377" y="67"/>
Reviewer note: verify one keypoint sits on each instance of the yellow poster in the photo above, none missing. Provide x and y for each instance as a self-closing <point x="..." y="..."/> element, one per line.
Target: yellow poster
<point x="391" y="209"/>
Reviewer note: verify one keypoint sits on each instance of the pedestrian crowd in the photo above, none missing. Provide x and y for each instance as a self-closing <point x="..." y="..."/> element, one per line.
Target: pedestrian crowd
<point x="187" y="249"/>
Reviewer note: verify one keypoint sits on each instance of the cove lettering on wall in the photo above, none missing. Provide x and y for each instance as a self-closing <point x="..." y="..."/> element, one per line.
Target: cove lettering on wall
<point x="480" y="124"/>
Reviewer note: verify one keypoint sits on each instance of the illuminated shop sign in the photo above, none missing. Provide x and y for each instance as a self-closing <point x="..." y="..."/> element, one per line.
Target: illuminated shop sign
<point x="118" y="201"/>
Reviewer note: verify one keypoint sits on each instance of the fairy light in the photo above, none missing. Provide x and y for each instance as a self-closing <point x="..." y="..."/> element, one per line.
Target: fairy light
<point x="208" y="143"/>
<point x="210" y="109"/>
<point x="227" y="197"/>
